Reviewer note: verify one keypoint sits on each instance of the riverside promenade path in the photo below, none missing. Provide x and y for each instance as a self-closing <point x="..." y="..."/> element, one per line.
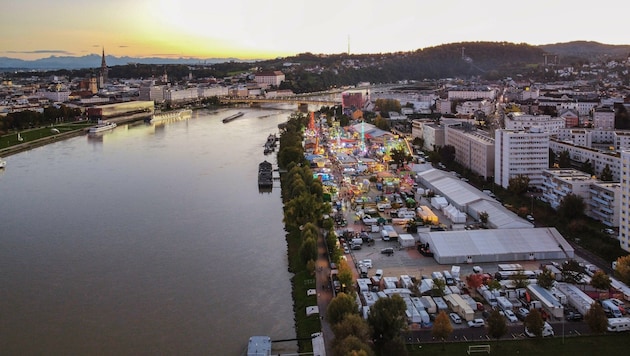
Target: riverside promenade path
<point x="324" y="291"/>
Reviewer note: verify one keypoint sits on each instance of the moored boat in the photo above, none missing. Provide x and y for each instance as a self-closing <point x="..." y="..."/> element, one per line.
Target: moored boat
<point x="3" y="163"/>
<point x="102" y="126"/>
<point x="265" y="174"/>
<point x="232" y="117"/>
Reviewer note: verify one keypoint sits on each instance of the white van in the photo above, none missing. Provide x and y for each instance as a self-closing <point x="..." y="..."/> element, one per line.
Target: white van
<point x="356" y="241"/>
<point x="385" y="235"/>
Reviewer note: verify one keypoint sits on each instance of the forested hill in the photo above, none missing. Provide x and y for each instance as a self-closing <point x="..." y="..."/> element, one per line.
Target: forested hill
<point x="585" y="51"/>
<point x="488" y="60"/>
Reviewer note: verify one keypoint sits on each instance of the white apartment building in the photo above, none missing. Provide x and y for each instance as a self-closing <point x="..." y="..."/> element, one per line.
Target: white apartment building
<point x="153" y="93"/>
<point x="599" y="159"/>
<point x="521" y="121"/>
<point x="55" y="96"/>
<point x="273" y="78"/>
<point x="185" y="94"/>
<point x="604" y="118"/>
<point x="606" y="140"/>
<point x="583" y="108"/>
<point x="520" y="153"/>
<point x="215" y="90"/>
<point x="473" y="149"/>
<point x="470" y="107"/>
<point x="604" y="202"/>
<point x="472" y="94"/>
<point x="443" y="106"/>
<point x="433" y="136"/>
<point x="624" y="211"/>
<point x="558" y="183"/>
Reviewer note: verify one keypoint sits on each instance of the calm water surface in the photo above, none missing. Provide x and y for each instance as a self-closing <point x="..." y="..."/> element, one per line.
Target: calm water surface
<point x="145" y="240"/>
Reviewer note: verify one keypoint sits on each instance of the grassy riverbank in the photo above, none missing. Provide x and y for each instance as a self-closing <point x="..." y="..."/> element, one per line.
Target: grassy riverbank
<point x="12" y="139"/>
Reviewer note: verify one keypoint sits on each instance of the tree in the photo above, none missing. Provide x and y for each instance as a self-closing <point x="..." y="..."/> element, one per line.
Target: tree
<point x="352" y="324"/>
<point x="572" y="272"/>
<point x="497" y="327"/>
<point x="546" y="278"/>
<point x="494" y="285"/>
<point x="518" y="185"/>
<point x="438" y="286"/>
<point x="345" y="275"/>
<point x="308" y="250"/>
<point x="552" y="158"/>
<point x="418" y="141"/>
<point x="571" y="207"/>
<point x="606" y="175"/>
<point x="351" y="345"/>
<point x="381" y="123"/>
<point x="447" y="154"/>
<point x="534" y="322"/>
<point x="412" y="226"/>
<point x="564" y="159"/>
<point x="387" y="318"/>
<point x="587" y="167"/>
<point x="622" y="271"/>
<point x="474" y="280"/>
<point x="596" y="318"/>
<point x="442" y="327"/>
<point x="483" y="217"/>
<point x="600" y="280"/>
<point x="398" y="156"/>
<point x="520" y="279"/>
<point x="340" y="306"/>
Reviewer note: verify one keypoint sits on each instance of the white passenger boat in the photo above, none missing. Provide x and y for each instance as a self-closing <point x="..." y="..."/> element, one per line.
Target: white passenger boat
<point x="103" y="126"/>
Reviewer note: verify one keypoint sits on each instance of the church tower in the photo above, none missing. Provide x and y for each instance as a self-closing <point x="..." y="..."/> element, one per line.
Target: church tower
<point x="103" y="73"/>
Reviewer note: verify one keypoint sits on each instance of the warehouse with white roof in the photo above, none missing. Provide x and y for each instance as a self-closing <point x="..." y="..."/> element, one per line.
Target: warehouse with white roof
<point x="497" y="245"/>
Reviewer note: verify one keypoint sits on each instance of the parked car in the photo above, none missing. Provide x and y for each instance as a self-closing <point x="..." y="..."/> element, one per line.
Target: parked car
<point x="511" y="316"/>
<point x="366" y="262"/>
<point x="356" y="247"/>
<point x="476" y="323"/>
<point x="379" y="273"/>
<point x="620" y="304"/>
<point x="346" y="249"/>
<point x="455" y="318"/>
<point x="522" y="313"/>
<point x="388" y="251"/>
<point x="573" y="316"/>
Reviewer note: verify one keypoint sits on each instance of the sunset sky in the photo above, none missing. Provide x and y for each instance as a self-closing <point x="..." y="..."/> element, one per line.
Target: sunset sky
<point x="247" y="29"/>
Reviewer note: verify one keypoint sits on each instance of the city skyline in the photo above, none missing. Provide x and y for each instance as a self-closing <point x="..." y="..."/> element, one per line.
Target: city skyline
<point x="245" y="29"/>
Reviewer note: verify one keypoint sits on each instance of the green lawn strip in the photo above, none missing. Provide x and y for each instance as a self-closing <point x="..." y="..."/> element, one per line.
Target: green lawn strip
<point x="305" y="326"/>
<point x="38" y="133"/>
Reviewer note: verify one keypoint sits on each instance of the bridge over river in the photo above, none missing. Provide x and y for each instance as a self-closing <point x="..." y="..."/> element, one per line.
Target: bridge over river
<point x="299" y="100"/>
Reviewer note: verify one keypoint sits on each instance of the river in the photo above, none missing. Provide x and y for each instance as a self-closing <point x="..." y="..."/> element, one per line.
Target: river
<point x="146" y="240"/>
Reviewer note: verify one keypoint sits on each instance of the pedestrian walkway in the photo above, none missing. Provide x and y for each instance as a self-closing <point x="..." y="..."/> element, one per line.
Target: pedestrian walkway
<point x="324" y="291"/>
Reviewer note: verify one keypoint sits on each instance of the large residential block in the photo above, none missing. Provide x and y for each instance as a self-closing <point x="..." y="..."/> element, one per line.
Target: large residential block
<point x="520" y="153"/>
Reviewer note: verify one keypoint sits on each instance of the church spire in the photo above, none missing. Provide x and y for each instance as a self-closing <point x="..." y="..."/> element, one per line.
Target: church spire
<point x="103" y="73"/>
<point x="103" y="64"/>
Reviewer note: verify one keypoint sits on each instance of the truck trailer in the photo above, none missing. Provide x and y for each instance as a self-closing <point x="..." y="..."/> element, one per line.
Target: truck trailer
<point x="576" y="297"/>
